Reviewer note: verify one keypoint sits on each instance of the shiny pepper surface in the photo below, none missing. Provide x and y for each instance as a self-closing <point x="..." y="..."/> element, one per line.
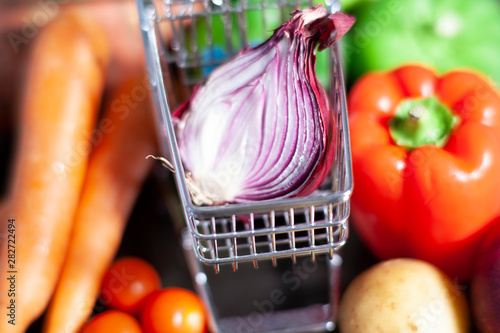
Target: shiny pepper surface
<point x="426" y="164"/>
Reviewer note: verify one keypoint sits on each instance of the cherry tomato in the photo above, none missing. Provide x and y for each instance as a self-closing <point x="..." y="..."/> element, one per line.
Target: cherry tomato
<point x="173" y="310"/>
<point x="113" y="321"/>
<point x="127" y="283"/>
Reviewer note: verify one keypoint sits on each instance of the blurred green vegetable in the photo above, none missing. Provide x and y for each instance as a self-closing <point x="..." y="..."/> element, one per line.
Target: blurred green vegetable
<point x="445" y="34"/>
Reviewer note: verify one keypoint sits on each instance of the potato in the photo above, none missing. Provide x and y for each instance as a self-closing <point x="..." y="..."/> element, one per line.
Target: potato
<point x="403" y="295"/>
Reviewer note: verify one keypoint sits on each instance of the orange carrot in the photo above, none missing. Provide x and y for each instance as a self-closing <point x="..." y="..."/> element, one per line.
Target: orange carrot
<point x="117" y="169"/>
<point x="61" y="97"/>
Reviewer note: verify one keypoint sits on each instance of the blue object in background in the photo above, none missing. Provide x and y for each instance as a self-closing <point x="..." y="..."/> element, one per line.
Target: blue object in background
<point x="214" y="57"/>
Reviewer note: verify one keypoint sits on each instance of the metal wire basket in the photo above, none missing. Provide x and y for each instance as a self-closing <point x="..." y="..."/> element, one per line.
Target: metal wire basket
<point x="272" y="229"/>
<point x="268" y="230"/>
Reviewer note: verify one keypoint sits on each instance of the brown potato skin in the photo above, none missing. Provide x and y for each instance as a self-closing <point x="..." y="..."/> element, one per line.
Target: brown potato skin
<point x="403" y="296"/>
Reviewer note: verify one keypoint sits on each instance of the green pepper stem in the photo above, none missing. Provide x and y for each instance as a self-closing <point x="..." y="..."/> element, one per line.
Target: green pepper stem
<point x="419" y="122"/>
<point x="416" y="112"/>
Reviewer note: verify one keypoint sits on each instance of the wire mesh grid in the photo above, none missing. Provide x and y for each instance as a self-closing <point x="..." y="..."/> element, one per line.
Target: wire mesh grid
<point x="227" y="19"/>
<point x="310" y="230"/>
<point x="204" y="34"/>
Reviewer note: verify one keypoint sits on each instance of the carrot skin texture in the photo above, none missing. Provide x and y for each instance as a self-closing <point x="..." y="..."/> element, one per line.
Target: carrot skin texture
<point x="117" y="169"/>
<point x="60" y="100"/>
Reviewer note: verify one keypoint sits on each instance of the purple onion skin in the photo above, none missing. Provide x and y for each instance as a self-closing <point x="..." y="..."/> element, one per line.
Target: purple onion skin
<point x="274" y="157"/>
<point x="485" y="282"/>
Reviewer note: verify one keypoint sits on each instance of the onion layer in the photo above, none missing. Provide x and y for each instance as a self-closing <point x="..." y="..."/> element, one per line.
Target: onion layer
<point x="260" y="126"/>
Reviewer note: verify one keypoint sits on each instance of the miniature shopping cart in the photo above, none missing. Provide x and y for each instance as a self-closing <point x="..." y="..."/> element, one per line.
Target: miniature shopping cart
<point x="283" y="251"/>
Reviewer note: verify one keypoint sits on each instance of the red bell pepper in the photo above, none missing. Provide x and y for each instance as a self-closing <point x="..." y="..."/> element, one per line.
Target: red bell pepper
<point x="426" y="164"/>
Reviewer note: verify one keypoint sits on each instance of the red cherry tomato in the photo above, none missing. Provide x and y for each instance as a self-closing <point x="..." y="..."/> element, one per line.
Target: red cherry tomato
<point x="173" y="310"/>
<point x="113" y="321"/>
<point x="127" y="283"/>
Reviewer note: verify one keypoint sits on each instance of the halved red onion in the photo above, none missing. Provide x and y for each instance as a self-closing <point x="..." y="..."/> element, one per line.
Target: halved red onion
<point x="260" y="126"/>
